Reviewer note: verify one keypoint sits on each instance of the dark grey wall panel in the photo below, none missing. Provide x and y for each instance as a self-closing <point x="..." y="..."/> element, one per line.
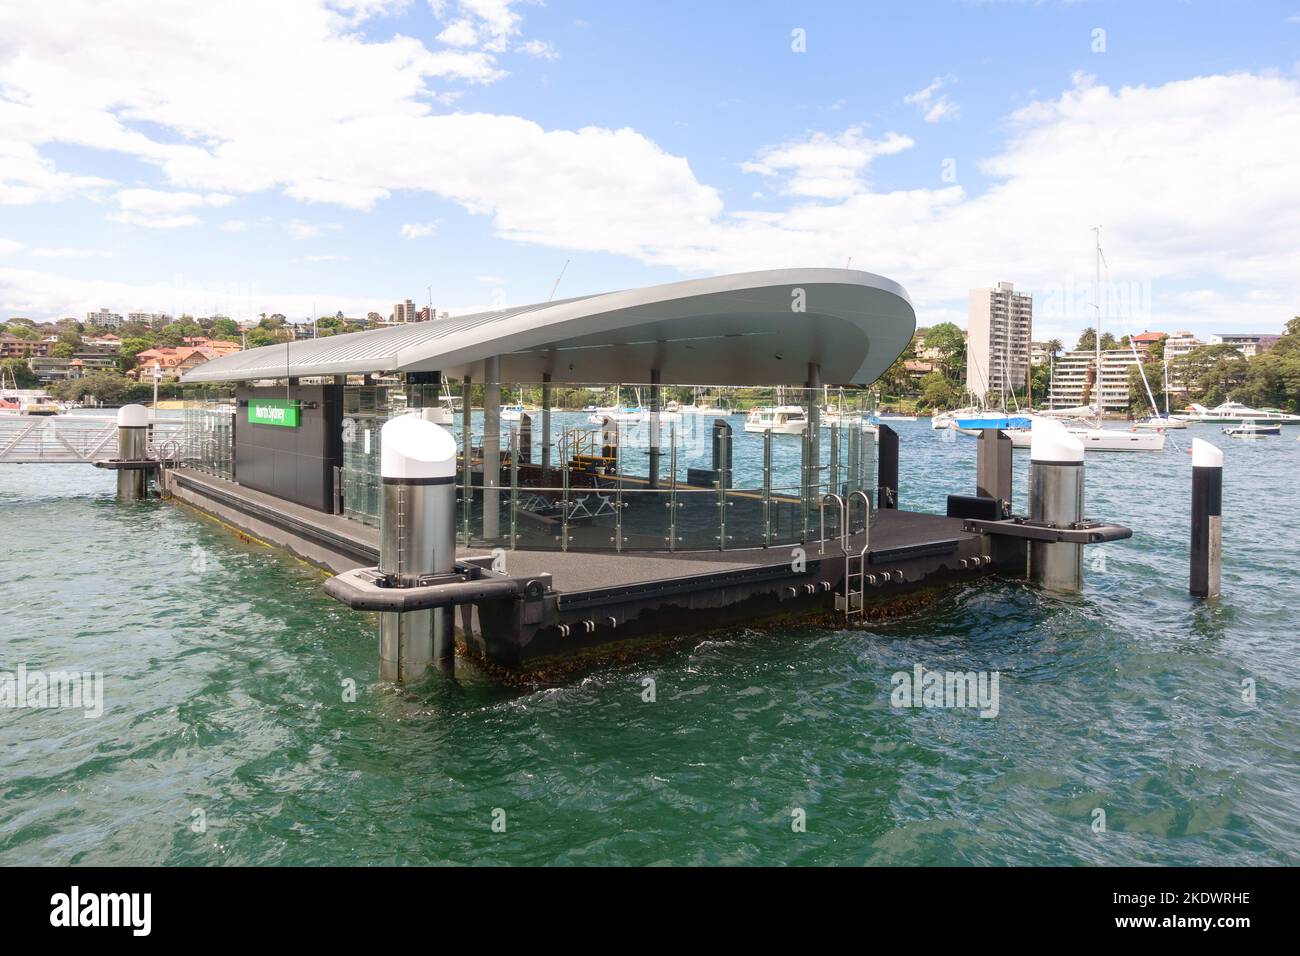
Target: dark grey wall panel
<point x="292" y="463"/>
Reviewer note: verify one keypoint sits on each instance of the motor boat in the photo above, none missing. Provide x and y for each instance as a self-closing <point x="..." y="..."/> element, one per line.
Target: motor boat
<point x="1235" y="413"/>
<point x="1252" y="430"/>
<point x="778" y="419"/>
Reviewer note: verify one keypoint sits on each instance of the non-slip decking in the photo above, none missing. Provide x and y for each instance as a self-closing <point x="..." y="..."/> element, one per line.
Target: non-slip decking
<point x="338" y="544"/>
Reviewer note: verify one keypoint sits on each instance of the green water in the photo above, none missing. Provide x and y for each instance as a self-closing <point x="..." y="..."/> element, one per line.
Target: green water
<point x="225" y="667"/>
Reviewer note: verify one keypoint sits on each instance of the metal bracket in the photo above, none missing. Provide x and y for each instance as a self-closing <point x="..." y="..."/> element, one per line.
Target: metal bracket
<point x="367" y="589"/>
<point x="1078" y="532"/>
<point x="117" y="464"/>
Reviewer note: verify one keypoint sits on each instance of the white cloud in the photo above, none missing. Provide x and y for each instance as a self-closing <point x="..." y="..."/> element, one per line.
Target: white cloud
<point x="234" y="225"/>
<point x="1193" y="180"/>
<point x="297" y="229"/>
<point x="8" y="247"/>
<point x="418" y="230"/>
<point x="542" y="49"/>
<point x="459" y="33"/>
<point x="825" y="167"/>
<point x="158" y="209"/>
<point x="934" y="106"/>
<point x="68" y="252"/>
<point x="36" y="293"/>
<point x="26" y="177"/>
<point x="493" y="20"/>
<point x="178" y="221"/>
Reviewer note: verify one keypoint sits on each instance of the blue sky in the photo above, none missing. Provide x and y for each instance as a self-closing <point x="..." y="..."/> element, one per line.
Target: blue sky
<point x="201" y="160"/>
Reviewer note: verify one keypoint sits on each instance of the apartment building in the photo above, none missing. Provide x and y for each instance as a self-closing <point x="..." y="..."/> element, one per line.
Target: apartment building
<point x="11" y="346"/>
<point x="104" y="319"/>
<point x="1074" y="379"/>
<point x="1000" y="327"/>
<point x="1249" y="345"/>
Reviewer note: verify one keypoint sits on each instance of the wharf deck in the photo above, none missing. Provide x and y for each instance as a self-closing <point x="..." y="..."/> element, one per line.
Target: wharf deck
<point x="611" y="597"/>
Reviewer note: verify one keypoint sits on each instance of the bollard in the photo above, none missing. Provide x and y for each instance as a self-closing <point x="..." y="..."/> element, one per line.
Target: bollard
<point x="722" y="445"/>
<point x="417" y="535"/>
<point x="888" y="442"/>
<point x="132" y="445"/>
<point x="993" y="467"/>
<point x="525" y="439"/>
<point x="1055" y="498"/>
<point x="1207" y="519"/>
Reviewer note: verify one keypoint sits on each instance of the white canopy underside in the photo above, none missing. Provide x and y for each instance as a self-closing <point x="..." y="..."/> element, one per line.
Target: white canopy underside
<point x="741" y="329"/>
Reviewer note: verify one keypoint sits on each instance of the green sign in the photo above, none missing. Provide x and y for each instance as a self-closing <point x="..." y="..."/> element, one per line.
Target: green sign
<point x="273" y="411"/>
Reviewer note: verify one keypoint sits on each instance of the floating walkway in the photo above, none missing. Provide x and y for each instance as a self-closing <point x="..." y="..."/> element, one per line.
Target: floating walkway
<point x="70" y="439"/>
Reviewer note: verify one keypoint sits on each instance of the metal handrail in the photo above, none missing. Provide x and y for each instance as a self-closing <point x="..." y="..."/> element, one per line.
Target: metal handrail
<point x="821" y="514"/>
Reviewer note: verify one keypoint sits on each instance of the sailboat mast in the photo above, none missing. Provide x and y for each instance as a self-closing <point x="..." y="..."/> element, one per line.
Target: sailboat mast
<point x="1166" y="384"/>
<point x="1096" y="304"/>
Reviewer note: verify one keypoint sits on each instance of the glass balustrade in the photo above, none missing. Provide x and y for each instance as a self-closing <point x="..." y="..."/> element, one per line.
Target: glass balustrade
<point x="709" y="469"/>
<point x="627" y="466"/>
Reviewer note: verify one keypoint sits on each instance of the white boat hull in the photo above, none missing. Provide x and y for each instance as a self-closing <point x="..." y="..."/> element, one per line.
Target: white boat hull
<point x="1101" y="439"/>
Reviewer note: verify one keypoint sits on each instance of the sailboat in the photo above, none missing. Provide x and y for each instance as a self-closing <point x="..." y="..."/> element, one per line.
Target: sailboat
<point x="1000" y="418"/>
<point x="636" y="414"/>
<point x="697" y="407"/>
<point x="1166" y="421"/>
<point x="1089" y="430"/>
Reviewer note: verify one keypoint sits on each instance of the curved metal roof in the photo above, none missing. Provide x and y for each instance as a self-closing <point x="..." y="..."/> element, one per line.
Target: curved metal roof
<point x="741" y="329"/>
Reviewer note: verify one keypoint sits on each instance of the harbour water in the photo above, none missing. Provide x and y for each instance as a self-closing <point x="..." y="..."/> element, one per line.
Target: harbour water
<point x="227" y="734"/>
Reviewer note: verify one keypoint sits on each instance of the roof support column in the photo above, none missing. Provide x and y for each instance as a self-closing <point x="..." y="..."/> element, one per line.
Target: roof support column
<point x="654" y="427"/>
<point x="813" y="445"/>
<point x="492" y="448"/>
<point x="467" y="459"/>
<point x="415" y="388"/>
<point x="546" y="427"/>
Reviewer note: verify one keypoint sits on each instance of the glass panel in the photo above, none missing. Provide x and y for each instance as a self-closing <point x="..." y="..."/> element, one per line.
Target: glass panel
<point x="206" y="440"/>
<point x="598" y="493"/>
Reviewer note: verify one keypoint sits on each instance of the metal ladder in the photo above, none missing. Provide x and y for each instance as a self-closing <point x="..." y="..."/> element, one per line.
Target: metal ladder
<point x="852" y="600"/>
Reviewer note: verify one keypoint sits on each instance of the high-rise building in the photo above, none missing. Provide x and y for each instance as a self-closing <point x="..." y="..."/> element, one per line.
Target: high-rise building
<point x="1000" y="326"/>
<point x="403" y="312"/>
<point x="1074" y="379"/>
<point x="104" y="319"/>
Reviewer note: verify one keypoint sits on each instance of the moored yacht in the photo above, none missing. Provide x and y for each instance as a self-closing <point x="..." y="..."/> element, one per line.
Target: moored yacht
<point x="1096" y="438"/>
<point x="778" y="419"/>
<point x="945" y="419"/>
<point x="1159" y="423"/>
<point x="1252" y="430"/>
<point x="1235" y="413"/>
